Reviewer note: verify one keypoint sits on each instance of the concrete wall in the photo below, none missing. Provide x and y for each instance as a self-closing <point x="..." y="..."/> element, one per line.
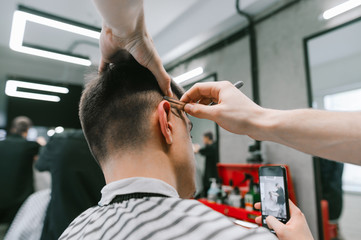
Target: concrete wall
<point x="282" y="85"/>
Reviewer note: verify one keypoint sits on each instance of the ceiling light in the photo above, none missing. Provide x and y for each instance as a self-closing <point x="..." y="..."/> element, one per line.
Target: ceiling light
<point x="344" y="7"/>
<point x="59" y="129"/>
<point x="188" y="75"/>
<point x="51" y="132"/>
<point x="51" y="55"/>
<point x="11" y="89"/>
<point x="37" y="86"/>
<point x="17" y="36"/>
<point x="57" y="24"/>
<point x="34" y="96"/>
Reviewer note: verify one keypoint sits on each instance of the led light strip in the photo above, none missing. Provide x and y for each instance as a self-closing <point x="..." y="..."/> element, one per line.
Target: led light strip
<point x="17" y="36"/>
<point x="339" y="9"/>
<point x="12" y="85"/>
<point x="188" y="75"/>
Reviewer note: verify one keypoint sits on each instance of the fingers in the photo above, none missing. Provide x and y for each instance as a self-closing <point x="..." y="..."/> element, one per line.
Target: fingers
<point x="293" y="208"/>
<point x="258" y="220"/>
<point x="119" y="56"/>
<point x="201" y="111"/>
<point x="102" y="65"/>
<point x="205" y="101"/>
<point x="296" y="213"/>
<point x="203" y="90"/>
<point x="274" y="224"/>
<point x="162" y="77"/>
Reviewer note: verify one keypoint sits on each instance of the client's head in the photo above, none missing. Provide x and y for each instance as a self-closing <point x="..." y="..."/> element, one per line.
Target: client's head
<point x="208" y="138"/>
<point x="20" y="125"/>
<point x="127" y="123"/>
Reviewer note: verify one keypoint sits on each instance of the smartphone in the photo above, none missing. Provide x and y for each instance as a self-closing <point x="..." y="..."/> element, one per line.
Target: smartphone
<point x="274" y="193"/>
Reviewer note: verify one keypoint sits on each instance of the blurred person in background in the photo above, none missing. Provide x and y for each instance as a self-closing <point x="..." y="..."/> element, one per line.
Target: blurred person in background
<point x="210" y="152"/>
<point x="17" y="156"/>
<point x="76" y="180"/>
<point x="76" y="184"/>
<point x="331" y="182"/>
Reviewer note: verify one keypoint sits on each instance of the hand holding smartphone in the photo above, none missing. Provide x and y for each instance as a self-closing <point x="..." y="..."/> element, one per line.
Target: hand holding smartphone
<point x="274" y="193"/>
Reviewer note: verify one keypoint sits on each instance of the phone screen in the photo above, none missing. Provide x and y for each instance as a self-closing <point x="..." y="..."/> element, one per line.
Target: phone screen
<point x="274" y="193"/>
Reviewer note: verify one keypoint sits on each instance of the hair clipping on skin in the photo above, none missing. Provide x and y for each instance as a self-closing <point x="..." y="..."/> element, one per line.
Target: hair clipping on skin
<point x="175" y="103"/>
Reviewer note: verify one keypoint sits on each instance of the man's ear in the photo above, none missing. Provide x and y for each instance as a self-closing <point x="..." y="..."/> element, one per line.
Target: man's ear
<point x="164" y="111"/>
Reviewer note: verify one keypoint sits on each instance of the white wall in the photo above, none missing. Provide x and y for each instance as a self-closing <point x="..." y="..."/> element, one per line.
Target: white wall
<point x="338" y="75"/>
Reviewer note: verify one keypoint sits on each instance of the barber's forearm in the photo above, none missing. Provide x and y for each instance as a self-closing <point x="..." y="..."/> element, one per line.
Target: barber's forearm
<point x="123" y="17"/>
<point x="332" y="135"/>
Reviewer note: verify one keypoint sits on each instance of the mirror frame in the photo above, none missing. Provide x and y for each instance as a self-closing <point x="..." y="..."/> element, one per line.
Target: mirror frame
<point x="198" y="79"/>
<point x="316" y="164"/>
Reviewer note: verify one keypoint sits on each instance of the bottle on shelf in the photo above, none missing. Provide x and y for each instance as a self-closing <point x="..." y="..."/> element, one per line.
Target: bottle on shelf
<point x="213" y="191"/>
<point x="257" y="195"/>
<point x="235" y="198"/>
<point x="222" y="195"/>
<point x="228" y="188"/>
<point x="252" y="196"/>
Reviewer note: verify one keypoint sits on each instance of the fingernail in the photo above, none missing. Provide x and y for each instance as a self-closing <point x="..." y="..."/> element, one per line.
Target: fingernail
<point x="188" y="107"/>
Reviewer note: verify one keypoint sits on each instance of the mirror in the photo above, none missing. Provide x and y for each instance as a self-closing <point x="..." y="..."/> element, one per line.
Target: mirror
<point x="200" y="127"/>
<point x="334" y="76"/>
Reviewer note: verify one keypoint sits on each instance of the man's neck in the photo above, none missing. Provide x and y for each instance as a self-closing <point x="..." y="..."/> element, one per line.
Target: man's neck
<point x="151" y="164"/>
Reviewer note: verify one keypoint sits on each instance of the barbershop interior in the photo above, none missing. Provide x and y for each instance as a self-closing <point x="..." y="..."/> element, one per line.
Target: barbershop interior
<point x="288" y="55"/>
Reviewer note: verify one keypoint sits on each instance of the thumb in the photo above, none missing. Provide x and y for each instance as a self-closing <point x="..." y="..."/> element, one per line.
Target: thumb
<point x="102" y="65"/>
<point x="163" y="80"/>
<point x="274" y="224"/>
<point x="200" y="110"/>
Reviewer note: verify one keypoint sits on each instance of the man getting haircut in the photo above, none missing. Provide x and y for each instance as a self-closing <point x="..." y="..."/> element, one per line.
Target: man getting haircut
<point x="144" y="148"/>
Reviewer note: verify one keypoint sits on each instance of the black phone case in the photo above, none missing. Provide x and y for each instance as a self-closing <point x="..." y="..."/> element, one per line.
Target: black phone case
<point x="284" y="176"/>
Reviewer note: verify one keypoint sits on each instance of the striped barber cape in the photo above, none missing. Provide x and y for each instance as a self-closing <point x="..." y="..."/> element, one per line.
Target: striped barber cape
<point x="154" y="217"/>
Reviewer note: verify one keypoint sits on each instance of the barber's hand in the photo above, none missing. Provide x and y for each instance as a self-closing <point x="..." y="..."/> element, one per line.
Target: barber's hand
<point x="140" y="45"/>
<point x="196" y="147"/>
<point x="41" y="141"/>
<point x="234" y="111"/>
<point x="295" y="228"/>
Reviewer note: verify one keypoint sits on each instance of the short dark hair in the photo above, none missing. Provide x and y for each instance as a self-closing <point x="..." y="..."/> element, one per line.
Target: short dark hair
<point x="20" y="125"/>
<point x="209" y="135"/>
<point x="116" y="105"/>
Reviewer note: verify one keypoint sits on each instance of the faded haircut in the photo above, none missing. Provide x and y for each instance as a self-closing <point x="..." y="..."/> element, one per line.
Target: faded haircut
<point x="116" y="106"/>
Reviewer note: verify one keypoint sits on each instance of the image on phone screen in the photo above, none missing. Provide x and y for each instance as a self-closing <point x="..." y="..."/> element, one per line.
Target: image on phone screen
<point x="273" y="197"/>
<point x="274" y="193"/>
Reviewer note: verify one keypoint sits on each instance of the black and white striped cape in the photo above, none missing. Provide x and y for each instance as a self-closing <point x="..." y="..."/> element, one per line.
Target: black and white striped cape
<point x="155" y="217"/>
